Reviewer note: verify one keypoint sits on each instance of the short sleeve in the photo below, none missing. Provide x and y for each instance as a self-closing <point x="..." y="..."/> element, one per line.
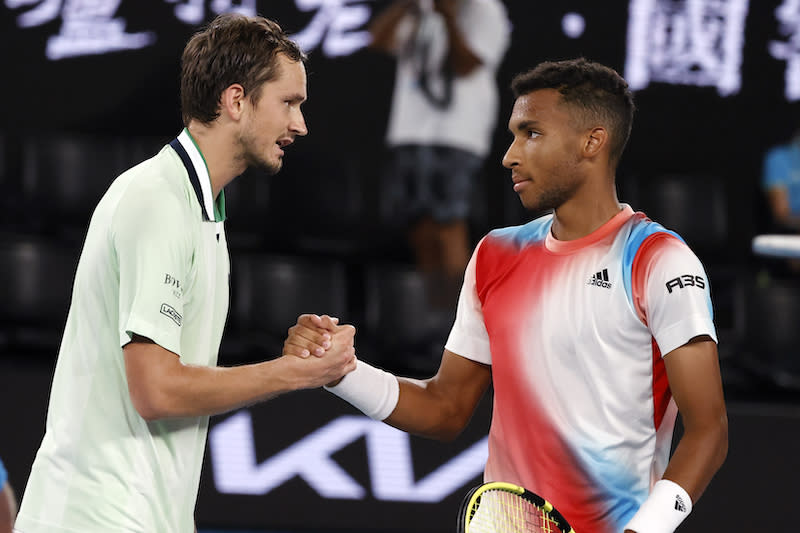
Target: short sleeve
<point x="672" y="292"/>
<point x="153" y="250"/>
<point x="3" y="475"/>
<point x="487" y="31"/>
<point x="468" y="337"/>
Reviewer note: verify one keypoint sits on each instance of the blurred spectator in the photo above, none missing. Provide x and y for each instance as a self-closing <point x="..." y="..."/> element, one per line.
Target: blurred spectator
<point x="444" y="110"/>
<point x="781" y="182"/>
<point x="8" y="503"/>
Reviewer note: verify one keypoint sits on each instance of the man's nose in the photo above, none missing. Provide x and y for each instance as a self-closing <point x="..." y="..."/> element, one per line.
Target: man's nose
<point x="510" y="158"/>
<point x="298" y="125"/>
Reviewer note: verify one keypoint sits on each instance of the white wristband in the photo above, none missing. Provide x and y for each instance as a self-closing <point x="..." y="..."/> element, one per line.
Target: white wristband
<point x="371" y="390"/>
<point x="662" y="511"/>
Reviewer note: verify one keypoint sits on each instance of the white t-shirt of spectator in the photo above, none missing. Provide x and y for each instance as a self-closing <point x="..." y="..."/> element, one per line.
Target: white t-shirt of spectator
<point x="469" y="119"/>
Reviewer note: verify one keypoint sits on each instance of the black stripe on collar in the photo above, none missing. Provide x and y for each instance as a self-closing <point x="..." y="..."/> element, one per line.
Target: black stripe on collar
<point x="187" y="162"/>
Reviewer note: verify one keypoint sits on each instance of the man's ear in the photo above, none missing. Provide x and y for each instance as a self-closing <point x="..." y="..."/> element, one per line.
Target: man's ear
<point x="231" y="101"/>
<point x="595" y="141"/>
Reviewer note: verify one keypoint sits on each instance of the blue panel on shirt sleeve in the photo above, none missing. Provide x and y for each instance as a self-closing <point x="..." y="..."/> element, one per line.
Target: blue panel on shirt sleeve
<point x="638" y="235"/>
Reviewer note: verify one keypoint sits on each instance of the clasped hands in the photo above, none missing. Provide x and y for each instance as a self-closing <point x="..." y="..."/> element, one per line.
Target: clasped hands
<point x="323" y="350"/>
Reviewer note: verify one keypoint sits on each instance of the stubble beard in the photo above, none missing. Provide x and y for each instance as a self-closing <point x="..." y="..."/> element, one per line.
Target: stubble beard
<point x="554" y="196"/>
<point x="565" y="181"/>
<point x="255" y="160"/>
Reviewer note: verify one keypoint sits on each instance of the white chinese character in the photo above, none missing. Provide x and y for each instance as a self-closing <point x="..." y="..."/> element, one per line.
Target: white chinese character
<point x="194" y="11"/>
<point x="245" y="7"/>
<point x="87" y="27"/>
<point x="788" y="15"/>
<point x="191" y="12"/>
<point x="334" y="26"/>
<point x="44" y="12"/>
<point x="691" y="42"/>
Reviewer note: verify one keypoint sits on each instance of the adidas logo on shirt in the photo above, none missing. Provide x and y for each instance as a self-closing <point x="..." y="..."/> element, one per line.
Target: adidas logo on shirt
<point x="600" y="279"/>
<point x="679" y="505"/>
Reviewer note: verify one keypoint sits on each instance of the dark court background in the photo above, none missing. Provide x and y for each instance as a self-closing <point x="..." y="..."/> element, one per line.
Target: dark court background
<point x="91" y="87"/>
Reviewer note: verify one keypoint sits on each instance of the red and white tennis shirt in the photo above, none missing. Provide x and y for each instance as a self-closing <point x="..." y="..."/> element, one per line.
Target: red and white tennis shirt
<point x="575" y="332"/>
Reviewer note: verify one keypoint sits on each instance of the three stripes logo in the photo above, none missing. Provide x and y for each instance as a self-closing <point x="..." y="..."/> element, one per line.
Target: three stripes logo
<point x="600" y="279"/>
<point x="679" y="505"/>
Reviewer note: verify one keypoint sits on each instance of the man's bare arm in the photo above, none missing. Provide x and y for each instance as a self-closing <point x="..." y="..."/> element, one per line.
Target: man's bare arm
<point x="440" y="407"/>
<point x="382" y="28"/>
<point x="161" y="386"/>
<point x="695" y="382"/>
<point x="463" y="59"/>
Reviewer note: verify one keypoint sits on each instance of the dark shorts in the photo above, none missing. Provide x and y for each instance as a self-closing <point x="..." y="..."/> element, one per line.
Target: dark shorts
<point x="436" y="181"/>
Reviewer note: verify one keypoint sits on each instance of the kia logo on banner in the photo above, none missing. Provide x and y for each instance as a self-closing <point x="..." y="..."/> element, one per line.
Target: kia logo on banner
<point x="389" y="461"/>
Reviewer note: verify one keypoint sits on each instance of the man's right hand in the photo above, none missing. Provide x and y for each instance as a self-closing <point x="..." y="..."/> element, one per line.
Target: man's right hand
<point x="332" y="345"/>
<point x="311" y="335"/>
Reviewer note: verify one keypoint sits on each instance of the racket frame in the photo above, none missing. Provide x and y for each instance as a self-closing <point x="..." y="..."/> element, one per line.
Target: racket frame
<point x="471" y="503"/>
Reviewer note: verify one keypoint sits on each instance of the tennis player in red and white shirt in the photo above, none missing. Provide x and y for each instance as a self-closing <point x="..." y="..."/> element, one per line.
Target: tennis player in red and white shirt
<point x="594" y="325"/>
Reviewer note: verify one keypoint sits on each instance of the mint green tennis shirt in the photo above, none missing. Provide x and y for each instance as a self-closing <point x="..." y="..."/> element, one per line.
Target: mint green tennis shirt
<point x="155" y="263"/>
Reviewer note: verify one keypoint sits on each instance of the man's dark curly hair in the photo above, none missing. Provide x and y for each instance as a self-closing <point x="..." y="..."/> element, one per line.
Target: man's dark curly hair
<point x="598" y="93"/>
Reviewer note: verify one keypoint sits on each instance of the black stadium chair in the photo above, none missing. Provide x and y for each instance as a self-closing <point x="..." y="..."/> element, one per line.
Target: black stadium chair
<point x="270" y="292"/>
<point x="773" y="338"/>
<point x="402" y="329"/>
<point x="693" y="205"/>
<point x="142" y="147"/>
<point x="10" y="182"/>
<point x="313" y="207"/>
<point x="4" y="161"/>
<point x="247" y="203"/>
<point x="37" y="276"/>
<point x="63" y="178"/>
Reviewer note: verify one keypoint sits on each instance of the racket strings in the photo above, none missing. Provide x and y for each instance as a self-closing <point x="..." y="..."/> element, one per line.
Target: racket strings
<point x="504" y="512"/>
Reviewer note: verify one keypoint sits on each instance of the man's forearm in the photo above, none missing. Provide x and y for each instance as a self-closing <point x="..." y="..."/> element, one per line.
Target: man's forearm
<point x="423" y="413"/>
<point x="200" y="391"/>
<point x="698" y="456"/>
<point x="462" y="58"/>
<point x="161" y="386"/>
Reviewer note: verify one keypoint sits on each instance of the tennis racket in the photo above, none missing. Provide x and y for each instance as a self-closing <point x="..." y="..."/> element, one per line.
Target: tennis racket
<point x="499" y="507"/>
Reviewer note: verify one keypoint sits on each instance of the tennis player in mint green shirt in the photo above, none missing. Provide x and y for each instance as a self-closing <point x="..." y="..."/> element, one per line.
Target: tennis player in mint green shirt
<point x="136" y="377"/>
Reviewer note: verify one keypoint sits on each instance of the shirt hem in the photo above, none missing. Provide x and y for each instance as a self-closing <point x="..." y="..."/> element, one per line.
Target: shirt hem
<point x="682" y="332"/>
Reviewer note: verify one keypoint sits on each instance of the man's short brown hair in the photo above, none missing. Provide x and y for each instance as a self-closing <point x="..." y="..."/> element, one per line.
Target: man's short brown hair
<point x="233" y="48"/>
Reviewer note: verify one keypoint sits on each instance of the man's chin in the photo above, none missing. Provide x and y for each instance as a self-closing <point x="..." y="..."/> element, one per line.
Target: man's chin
<point x="536" y="205"/>
<point x="529" y="204"/>
<point x="271" y="168"/>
